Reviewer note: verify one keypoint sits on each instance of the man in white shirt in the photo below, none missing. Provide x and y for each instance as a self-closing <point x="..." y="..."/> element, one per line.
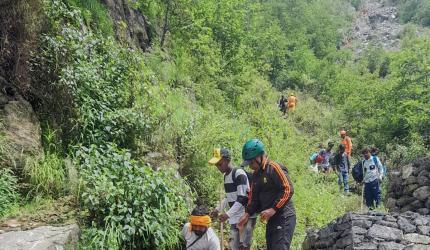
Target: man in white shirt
<point x="373" y="174"/>
<point x="236" y="185"/>
<point x="198" y="233"/>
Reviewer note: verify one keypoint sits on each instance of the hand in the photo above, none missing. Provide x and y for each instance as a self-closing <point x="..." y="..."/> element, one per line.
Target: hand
<point x="243" y="220"/>
<point x="214" y="213"/>
<point x="223" y="217"/>
<point x="266" y="214"/>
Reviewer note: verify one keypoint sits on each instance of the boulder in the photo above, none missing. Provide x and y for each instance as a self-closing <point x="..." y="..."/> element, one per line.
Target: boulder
<point x="386" y="233"/>
<point x="417" y="238"/>
<point x="41" y="238"/>
<point x="422" y="193"/>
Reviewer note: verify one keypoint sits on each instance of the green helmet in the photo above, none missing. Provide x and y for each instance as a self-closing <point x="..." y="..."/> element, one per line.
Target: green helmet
<point x="252" y="149"/>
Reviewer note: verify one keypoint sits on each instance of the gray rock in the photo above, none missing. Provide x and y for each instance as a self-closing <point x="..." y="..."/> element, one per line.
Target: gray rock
<point x="41" y="238"/>
<point x="343" y="242"/>
<point x="362" y="223"/>
<point x="405" y="225"/>
<point x="411" y="180"/>
<point x="417" y="238"/>
<point x="391" y="202"/>
<point x="417" y="247"/>
<point x="407" y="171"/>
<point x="423" y="180"/>
<point x="410" y="189"/>
<point x="402" y="201"/>
<point x="386" y="233"/>
<point x="422" y="221"/>
<point x="423" y="211"/>
<point x="390" y="246"/>
<point x="424" y="230"/>
<point x="366" y="246"/>
<point x="390" y="217"/>
<point x="422" y="193"/>
<point x="428" y="203"/>
<point x="359" y="230"/>
<point x="387" y="223"/>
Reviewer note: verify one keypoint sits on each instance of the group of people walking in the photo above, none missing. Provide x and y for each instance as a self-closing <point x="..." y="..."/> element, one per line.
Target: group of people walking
<point x="287" y="104"/>
<point x="369" y="171"/>
<point x="266" y="192"/>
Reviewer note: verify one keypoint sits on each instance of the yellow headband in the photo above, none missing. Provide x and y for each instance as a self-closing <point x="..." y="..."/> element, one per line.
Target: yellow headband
<point x="204" y="221"/>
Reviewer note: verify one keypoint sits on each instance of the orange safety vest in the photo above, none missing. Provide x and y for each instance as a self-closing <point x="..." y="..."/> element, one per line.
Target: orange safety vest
<point x="348" y="145"/>
<point x="292" y="100"/>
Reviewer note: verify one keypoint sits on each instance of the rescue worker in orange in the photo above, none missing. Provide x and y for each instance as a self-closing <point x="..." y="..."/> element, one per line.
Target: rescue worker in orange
<point x="346" y="140"/>
<point x="292" y="102"/>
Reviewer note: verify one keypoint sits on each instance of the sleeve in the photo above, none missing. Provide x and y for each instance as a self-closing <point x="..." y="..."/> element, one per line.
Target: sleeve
<point x="380" y="167"/>
<point x="185" y="229"/>
<point x="282" y="181"/>
<point x="253" y="203"/>
<point x="241" y="192"/>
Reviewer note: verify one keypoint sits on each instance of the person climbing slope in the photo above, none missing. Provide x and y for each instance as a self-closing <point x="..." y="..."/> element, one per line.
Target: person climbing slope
<point x="346" y="140"/>
<point x="271" y="193"/>
<point x="236" y="186"/>
<point x="282" y="106"/>
<point x="198" y="233"/>
<point x="292" y="102"/>
<point x="342" y="166"/>
<point x="373" y="175"/>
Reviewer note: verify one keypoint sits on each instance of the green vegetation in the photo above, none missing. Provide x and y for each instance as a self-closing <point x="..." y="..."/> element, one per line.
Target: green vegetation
<point x="214" y="82"/>
<point x="8" y="191"/>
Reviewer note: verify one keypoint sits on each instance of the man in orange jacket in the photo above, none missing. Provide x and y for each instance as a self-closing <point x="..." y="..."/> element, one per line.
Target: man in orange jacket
<point x="346" y="140"/>
<point x="292" y="102"/>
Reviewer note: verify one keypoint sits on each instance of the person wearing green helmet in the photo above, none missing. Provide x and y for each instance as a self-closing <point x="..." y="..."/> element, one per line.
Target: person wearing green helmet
<point x="271" y="192"/>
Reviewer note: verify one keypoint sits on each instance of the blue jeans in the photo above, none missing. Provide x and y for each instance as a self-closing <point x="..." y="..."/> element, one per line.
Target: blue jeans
<point x="343" y="177"/>
<point x="372" y="194"/>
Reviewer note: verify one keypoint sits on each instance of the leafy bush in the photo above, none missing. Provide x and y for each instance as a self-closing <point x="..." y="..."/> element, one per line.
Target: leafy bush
<point x="8" y="190"/>
<point x="144" y="208"/>
<point x="45" y="175"/>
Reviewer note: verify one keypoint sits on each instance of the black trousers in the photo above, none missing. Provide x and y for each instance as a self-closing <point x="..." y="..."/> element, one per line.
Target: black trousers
<point x="280" y="229"/>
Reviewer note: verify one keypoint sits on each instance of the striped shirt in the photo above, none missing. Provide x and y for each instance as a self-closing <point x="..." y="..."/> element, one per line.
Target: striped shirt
<point x="236" y="187"/>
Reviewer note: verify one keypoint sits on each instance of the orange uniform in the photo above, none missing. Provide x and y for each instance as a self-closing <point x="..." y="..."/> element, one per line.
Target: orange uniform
<point x="348" y="145"/>
<point x="292" y="101"/>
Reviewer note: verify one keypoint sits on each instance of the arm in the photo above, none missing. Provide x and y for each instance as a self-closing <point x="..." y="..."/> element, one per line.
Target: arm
<point x="282" y="181"/>
<point x="253" y="202"/>
<point x="221" y="206"/>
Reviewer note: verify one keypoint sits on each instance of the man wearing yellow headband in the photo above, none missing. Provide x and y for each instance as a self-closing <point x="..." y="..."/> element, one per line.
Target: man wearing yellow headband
<point x="198" y="233"/>
<point x="236" y="186"/>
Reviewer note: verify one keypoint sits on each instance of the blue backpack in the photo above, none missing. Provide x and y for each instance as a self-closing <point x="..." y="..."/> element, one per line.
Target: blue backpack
<point x="313" y="158"/>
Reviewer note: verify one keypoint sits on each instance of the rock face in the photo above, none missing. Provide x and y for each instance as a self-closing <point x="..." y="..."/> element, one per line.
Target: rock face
<point x="372" y="231"/>
<point x="409" y="189"/>
<point x="20" y="129"/>
<point x="41" y="238"/>
<point x="130" y="24"/>
<point x="375" y="24"/>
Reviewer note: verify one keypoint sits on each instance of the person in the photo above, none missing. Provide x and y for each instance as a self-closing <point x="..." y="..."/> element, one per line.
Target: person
<point x="282" y="105"/>
<point x="198" y="233"/>
<point x="270" y="195"/>
<point x="236" y="186"/>
<point x="292" y="102"/>
<point x="373" y="174"/>
<point x="342" y="166"/>
<point x="346" y="140"/>
<point x="326" y="154"/>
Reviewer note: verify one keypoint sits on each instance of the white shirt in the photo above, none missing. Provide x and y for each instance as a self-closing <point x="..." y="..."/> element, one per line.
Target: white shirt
<point x="371" y="170"/>
<point x="209" y="241"/>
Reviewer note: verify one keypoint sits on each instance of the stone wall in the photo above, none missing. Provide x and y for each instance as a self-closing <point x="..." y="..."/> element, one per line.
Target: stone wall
<point x="409" y="188"/>
<point x="379" y="231"/>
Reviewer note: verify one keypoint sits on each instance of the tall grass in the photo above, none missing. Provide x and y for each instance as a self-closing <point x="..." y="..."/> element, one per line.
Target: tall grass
<point x="45" y="175"/>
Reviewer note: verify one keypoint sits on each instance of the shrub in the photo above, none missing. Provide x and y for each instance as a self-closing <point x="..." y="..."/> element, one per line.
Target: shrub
<point x="45" y="175"/>
<point x="8" y="190"/>
<point x="142" y="208"/>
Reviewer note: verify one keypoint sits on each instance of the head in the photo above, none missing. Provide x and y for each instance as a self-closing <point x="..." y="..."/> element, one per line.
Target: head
<point x="253" y="154"/>
<point x="366" y="153"/>
<point x="200" y="220"/>
<point x="221" y="159"/>
<point x="283" y="97"/>
<point x="342" y="133"/>
<point x="341" y="149"/>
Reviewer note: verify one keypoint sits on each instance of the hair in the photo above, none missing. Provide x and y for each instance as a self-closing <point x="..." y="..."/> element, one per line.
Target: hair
<point x="341" y="147"/>
<point x="200" y="210"/>
<point x="365" y="150"/>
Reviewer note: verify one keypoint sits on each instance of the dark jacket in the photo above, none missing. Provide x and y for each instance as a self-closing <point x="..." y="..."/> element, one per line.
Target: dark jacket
<point x="271" y="188"/>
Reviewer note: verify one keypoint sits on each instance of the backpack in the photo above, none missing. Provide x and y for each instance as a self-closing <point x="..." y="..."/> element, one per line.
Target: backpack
<point x="248" y="175"/>
<point x="313" y="158"/>
<point x="358" y="171"/>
